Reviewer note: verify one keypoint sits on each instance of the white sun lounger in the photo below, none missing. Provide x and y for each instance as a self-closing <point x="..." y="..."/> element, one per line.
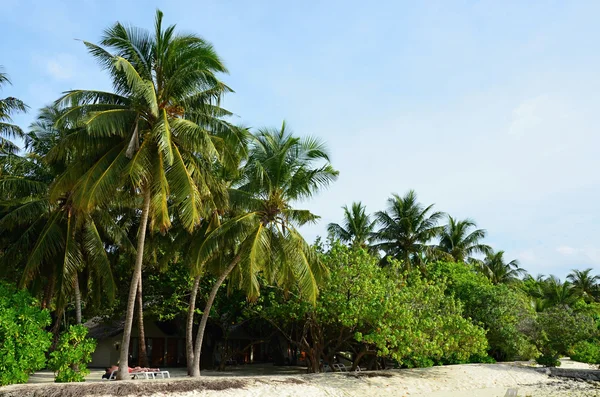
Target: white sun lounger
<point x="162" y="373"/>
<point x="145" y="375"/>
<point x="339" y="367"/>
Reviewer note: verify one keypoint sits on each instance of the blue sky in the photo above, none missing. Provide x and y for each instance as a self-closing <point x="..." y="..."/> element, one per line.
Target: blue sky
<point x="487" y="109"/>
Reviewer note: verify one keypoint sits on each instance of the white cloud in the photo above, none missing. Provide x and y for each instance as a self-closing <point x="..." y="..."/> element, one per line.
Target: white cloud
<point x="593" y="254"/>
<point x="566" y="250"/>
<point x="526" y="256"/>
<point x="528" y="115"/>
<point x="542" y="120"/>
<point x="61" y="67"/>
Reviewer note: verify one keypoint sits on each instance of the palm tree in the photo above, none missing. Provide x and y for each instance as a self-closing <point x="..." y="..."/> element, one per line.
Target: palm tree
<point x="8" y="107"/>
<point x="534" y="288"/>
<point x="584" y="283"/>
<point x="497" y="270"/>
<point x="55" y="240"/>
<point x="152" y="136"/>
<point x="407" y="229"/>
<point x="59" y="243"/>
<point x="185" y="246"/>
<point x="44" y="133"/>
<point x="190" y="244"/>
<point x="557" y="292"/>
<point x="261" y="236"/>
<point x="357" y="228"/>
<point x="459" y="242"/>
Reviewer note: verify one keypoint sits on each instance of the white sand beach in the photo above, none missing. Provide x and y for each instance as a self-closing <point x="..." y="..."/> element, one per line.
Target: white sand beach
<point x="472" y="380"/>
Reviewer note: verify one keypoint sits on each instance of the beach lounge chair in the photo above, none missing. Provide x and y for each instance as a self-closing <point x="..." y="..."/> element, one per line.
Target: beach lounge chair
<point x="339" y="368"/>
<point x="142" y="373"/>
<point x="162" y="373"/>
<point x="147" y="373"/>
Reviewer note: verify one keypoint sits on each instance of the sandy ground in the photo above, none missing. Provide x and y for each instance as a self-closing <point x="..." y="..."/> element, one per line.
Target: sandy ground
<point x="473" y="380"/>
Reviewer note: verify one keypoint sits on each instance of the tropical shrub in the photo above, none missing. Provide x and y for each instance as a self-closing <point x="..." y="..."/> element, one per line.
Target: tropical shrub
<point x="73" y="352"/>
<point x="421" y="323"/>
<point x="23" y="339"/>
<point x="503" y="311"/>
<point x="586" y="352"/>
<point x="558" y="330"/>
<point x="373" y="311"/>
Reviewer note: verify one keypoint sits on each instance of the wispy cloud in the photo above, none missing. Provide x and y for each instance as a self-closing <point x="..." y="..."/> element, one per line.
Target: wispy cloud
<point x="566" y="250"/>
<point x="61" y="67"/>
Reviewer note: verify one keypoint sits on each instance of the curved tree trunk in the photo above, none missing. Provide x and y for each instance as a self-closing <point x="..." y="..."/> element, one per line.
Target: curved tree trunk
<point x="189" y="328"/>
<point x="133" y="287"/>
<point x="143" y="356"/>
<point x="359" y="357"/>
<point x="205" y="314"/>
<point x="77" y="299"/>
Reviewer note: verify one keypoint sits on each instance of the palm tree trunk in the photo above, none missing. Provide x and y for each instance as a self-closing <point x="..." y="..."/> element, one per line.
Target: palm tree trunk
<point x="55" y="330"/>
<point x="133" y="287"/>
<point x="189" y="328"/>
<point x="48" y="292"/>
<point x="143" y="356"/>
<point x="77" y="299"/>
<point x="75" y="367"/>
<point x="205" y="314"/>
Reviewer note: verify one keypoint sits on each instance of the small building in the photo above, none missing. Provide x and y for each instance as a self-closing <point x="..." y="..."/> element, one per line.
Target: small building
<point x="165" y="346"/>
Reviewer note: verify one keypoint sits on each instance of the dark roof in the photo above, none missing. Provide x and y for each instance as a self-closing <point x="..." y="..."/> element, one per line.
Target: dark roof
<point x="238" y="332"/>
<point x="98" y="328"/>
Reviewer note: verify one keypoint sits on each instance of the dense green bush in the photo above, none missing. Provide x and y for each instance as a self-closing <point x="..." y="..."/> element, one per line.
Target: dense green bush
<point x="385" y="312"/>
<point x="503" y="311"/>
<point x="558" y="330"/>
<point x="73" y="352"/>
<point x="587" y="352"/>
<point x="422" y="324"/>
<point x="548" y="360"/>
<point x="23" y="339"/>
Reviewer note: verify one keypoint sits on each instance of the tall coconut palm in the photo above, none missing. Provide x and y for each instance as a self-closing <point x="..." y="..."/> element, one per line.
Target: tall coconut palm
<point x="460" y="242"/>
<point x="152" y="135"/>
<point x="407" y="229"/>
<point x="56" y="241"/>
<point x="185" y="246"/>
<point x="584" y="283"/>
<point x="8" y="107"/>
<point x="44" y="133"/>
<point x="557" y="292"/>
<point x="58" y="244"/>
<point x="189" y="244"/>
<point x="534" y="288"/>
<point x="498" y="270"/>
<point x="261" y="236"/>
<point x="357" y="227"/>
